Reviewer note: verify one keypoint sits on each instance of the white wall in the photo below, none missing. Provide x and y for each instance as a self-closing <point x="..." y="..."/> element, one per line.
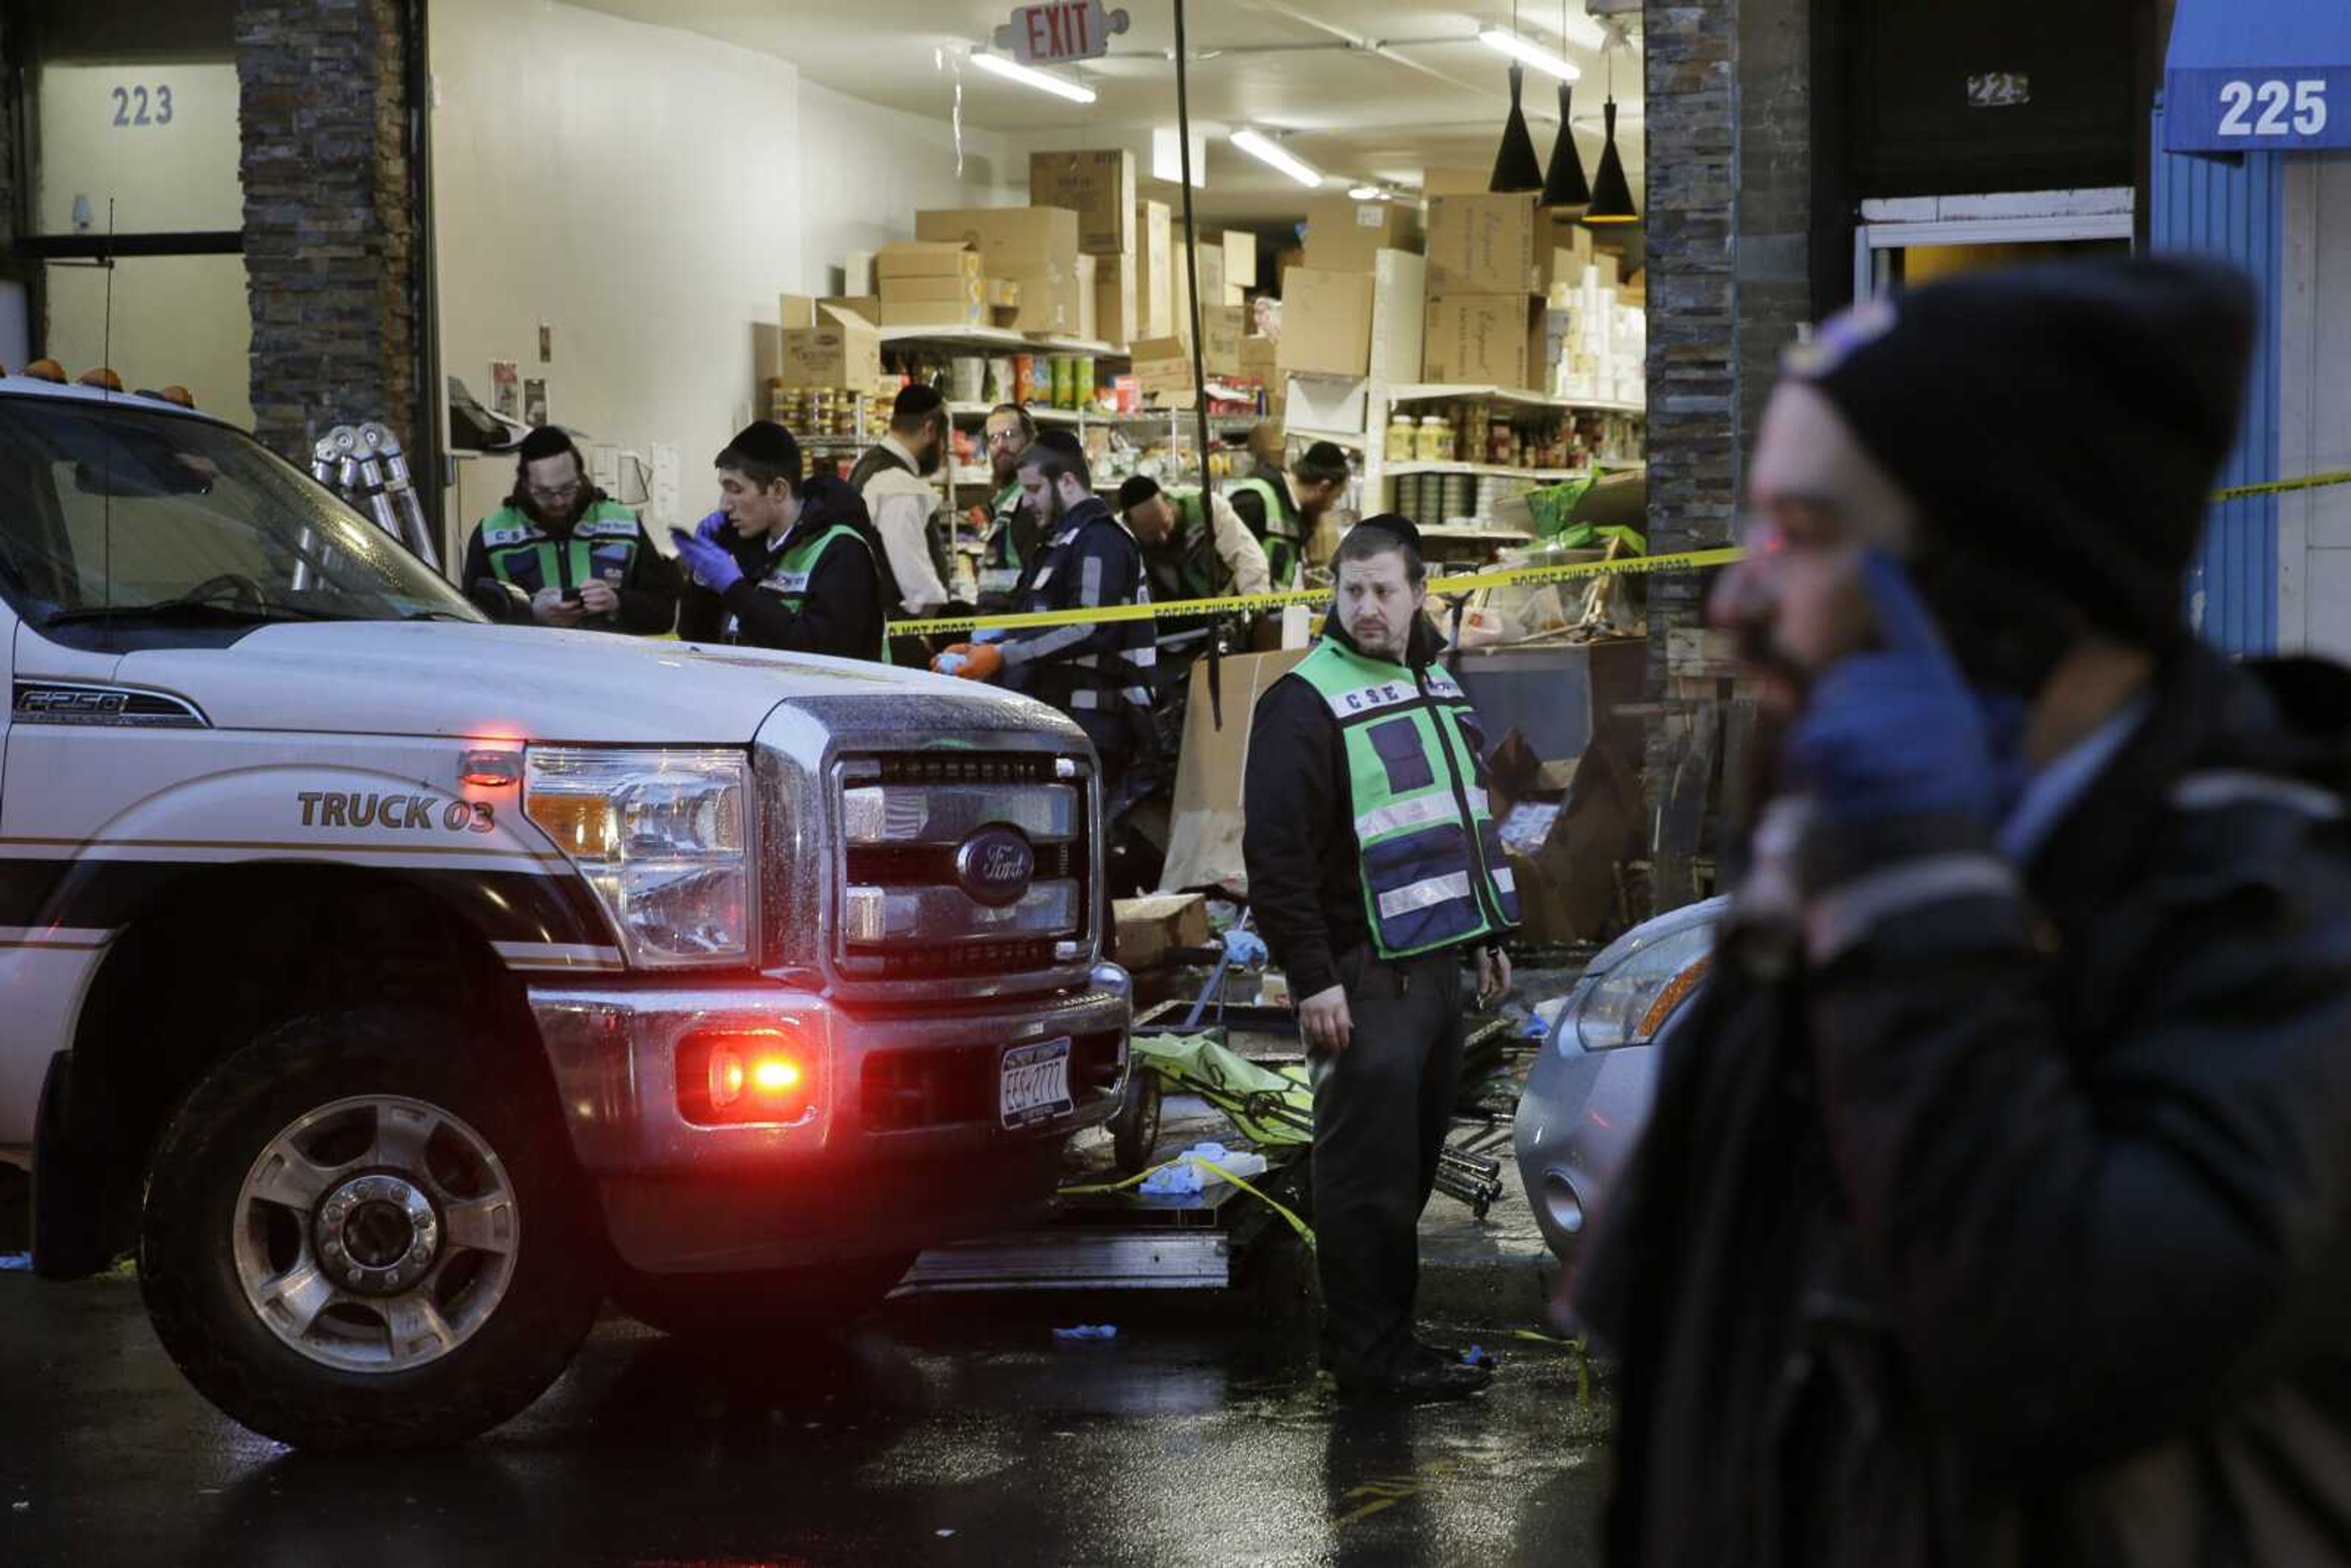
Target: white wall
<point x="865" y="171"/>
<point x="648" y="192"/>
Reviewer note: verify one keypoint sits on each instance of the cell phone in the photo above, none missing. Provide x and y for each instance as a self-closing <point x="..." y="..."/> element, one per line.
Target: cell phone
<point x="572" y="596"/>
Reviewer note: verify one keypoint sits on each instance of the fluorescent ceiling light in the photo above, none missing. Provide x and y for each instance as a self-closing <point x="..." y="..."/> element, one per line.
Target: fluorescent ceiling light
<point x="1577" y="29"/>
<point x="1534" y="55"/>
<point x="1043" y="81"/>
<point x="1267" y="151"/>
<point x="1364" y="194"/>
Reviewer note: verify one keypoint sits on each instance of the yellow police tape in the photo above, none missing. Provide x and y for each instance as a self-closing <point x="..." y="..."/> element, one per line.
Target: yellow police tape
<point x="1252" y="603"/>
<point x="1462" y="583"/>
<point x="2279" y="486"/>
<point x="1305" y="1231"/>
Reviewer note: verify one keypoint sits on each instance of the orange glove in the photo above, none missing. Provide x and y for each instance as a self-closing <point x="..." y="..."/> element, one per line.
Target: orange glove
<point x="981" y="662"/>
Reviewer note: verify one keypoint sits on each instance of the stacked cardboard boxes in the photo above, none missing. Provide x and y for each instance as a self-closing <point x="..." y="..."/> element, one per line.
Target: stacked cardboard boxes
<point x="931" y="283"/>
<point x="1097" y="187"/>
<point x="1035" y="247"/>
<point x="1486" y="323"/>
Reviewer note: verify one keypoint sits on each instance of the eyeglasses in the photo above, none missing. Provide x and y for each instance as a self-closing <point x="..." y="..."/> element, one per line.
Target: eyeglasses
<point x="1003" y="437"/>
<point x="559" y="492"/>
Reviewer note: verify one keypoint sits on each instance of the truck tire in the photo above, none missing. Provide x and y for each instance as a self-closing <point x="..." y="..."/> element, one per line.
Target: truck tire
<point x="827" y="1295"/>
<point x="359" y="1233"/>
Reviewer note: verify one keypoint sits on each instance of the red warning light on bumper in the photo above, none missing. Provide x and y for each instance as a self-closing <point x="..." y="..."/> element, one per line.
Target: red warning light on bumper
<point x="745" y="1077"/>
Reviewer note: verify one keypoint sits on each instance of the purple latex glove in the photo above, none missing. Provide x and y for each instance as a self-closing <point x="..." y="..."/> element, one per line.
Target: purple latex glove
<point x="709" y="561"/>
<point x="711" y="528"/>
<point x="1895" y="730"/>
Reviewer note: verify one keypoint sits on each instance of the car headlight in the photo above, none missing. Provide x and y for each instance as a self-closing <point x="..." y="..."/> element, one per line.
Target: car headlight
<point x="1631" y="1001"/>
<point x="662" y="837"/>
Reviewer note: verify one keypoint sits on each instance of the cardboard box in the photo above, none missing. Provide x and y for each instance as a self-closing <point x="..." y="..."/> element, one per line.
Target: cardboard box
<point x="964" y="311"/>
<point x="1088" y="319"/>
<point x="1150" y="928"/>
<point x="1004" y="293"/>
<point x="1325" y="405"/>
<point x="796" y="310"/>
<point x="865" y="306"/>
<point x="1117" y="321"/>
<point x="1240" y="260"/>
<point x="1326" y="323"/>
<point x="1483" y="340"/>
<point x="1012" y="242"/>
<point x="1155" y="282"/>
<point x="1455" y="181"/>
<point x="927" y="259"/>
<point x="843" y="351"/>
<point x="1204" y="840"/>
<point x="1162" y="371"/>
<point x="1097" y="186"/>
<point x="1343" y="235"/>
<point x="1222" y="328"/>
<point x="1482" y="244"/>
<point x="1209" y="257"/>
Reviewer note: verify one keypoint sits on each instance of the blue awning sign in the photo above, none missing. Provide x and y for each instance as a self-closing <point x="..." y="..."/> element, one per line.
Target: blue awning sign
<point x="2257" y="76"/>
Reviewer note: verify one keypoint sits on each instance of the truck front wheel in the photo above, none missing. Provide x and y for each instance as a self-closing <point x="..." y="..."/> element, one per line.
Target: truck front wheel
<point x="355" y="1235"/>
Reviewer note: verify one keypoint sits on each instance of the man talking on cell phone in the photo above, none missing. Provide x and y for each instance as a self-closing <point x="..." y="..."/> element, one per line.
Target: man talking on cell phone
<point x="560" y="553"/>
<point x="1995" y="1207"/>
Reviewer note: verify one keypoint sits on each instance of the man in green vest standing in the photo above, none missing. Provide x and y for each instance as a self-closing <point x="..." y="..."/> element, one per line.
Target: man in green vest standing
<point x="786" y="561"/>
<point x="1282" y="515"/>
<point x="1376" y="873"/>
<point x="560" y="553"/>
<point x="1013" y="535"/>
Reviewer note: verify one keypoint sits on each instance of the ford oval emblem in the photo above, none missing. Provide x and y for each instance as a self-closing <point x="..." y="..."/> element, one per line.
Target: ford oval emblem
<point x="995" y="866"/>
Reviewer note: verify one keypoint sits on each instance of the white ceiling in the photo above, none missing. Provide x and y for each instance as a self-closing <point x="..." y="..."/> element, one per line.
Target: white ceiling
<point x="1390" y="105"/>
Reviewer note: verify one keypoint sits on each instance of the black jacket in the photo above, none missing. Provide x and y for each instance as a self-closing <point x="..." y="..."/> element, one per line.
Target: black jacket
<point x="2019" y="1229"/>
<point x="648" y="598"/>
<point x="842" y="611"/>
<point x="1298" y="841"/>
<point x="1096" y="672"/>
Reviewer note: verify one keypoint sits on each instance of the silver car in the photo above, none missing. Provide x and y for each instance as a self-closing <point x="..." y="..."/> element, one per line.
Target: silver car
<point x="1589" y="1092"/>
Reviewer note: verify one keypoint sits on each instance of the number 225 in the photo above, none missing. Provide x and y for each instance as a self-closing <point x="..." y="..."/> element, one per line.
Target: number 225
<point x="2308" y="98"/>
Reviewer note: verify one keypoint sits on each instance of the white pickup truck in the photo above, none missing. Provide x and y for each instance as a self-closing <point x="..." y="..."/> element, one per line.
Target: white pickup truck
<point x="400" y="986"/>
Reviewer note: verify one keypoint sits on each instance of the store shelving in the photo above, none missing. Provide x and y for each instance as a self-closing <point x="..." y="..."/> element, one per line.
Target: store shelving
<point x="1486" y="471"/>
<point x="1438" y="392"/>
<point x="1000" y="338"/>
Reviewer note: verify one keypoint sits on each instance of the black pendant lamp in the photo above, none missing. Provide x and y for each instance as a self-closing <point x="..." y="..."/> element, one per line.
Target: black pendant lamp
<point x="1515" y="168"/>
<point x="1564" y="185"/>
<point x="1611" y="198"/>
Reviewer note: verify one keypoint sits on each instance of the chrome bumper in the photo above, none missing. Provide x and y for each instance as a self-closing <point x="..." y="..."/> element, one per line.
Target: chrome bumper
<point x="679" y="1196"/>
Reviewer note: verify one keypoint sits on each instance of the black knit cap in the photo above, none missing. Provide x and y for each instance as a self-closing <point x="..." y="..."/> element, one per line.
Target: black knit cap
<point x="766" y="443"/>
<point x="2064" y="423"/>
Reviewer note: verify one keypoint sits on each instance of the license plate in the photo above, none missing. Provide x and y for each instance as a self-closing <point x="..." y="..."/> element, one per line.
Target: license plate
<point x="1035" y="1082"/>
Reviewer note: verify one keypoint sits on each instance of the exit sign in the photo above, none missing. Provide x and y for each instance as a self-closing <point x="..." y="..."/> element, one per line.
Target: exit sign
<point x="1060" y="31"/>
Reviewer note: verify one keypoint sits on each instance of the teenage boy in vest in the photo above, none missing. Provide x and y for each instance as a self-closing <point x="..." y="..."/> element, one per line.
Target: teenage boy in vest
<point x="784" y="563"/>
<point x="1377" y="874"/>
<point x="1283" y="515"/>
<point x="560" y="553"/>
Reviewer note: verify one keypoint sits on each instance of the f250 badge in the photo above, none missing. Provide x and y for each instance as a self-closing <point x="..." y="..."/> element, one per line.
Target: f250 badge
<point x="341" y="809"/>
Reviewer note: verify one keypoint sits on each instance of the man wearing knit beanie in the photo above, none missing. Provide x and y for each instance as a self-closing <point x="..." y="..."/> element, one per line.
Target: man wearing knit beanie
<point x="1996" y="1203"/>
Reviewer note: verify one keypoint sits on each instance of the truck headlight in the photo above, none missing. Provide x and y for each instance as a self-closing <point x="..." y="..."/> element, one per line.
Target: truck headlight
<point x="662" y="836"/>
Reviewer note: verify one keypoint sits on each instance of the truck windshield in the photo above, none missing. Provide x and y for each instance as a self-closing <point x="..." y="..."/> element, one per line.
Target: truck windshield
<point x="135" y="524"/>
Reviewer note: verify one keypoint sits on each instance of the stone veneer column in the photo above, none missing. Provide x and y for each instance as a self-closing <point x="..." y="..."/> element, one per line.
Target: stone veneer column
<point x="329" y="227"/>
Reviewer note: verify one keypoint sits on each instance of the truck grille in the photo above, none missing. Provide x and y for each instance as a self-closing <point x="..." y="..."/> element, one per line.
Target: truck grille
<point x="904" y="910"/>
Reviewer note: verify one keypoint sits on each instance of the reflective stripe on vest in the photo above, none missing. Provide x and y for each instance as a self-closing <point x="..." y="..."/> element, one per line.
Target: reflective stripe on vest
<point x="1432" y="864"/>
<point x="602" y="545"/>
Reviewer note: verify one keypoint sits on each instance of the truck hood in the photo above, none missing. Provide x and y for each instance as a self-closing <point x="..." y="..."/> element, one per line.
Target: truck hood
<point x="527" y="682"/>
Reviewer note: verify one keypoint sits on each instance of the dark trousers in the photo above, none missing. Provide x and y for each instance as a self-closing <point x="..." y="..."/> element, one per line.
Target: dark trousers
<point x="1381" y="1110"/>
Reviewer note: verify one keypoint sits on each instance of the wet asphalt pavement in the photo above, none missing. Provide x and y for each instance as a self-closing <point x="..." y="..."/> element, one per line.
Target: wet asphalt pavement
<point x="944" y="1433"/>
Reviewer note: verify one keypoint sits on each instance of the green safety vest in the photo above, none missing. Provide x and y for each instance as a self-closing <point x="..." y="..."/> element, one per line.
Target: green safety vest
<point x="1000" y="570"/>
<point x="789" y="570"/>
<point x="603" y="544"/>
<point x="1283" y="537"/>
<point x="1188" y="565"/>
<point x="1433" y="869"/>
